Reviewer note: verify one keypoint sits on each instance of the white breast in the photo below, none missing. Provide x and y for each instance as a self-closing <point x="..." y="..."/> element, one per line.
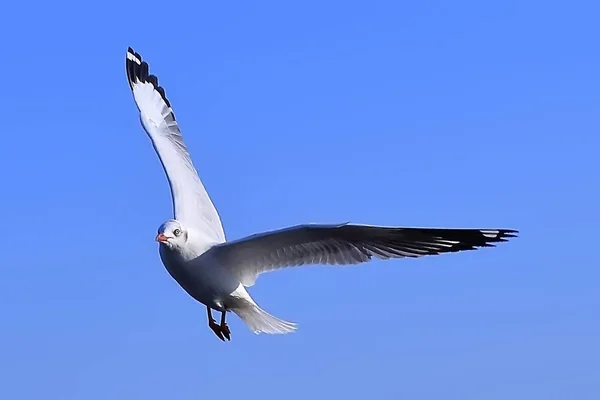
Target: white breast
<point x="201" y="277"/>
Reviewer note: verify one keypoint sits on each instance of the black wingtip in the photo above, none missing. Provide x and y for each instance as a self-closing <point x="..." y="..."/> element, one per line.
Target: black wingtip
<point x="498" y="235"/>
<point x="139" y="71"/>
<point x="507" y="234"/>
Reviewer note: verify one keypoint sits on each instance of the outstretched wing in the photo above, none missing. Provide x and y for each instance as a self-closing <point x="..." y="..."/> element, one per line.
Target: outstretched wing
<point x="345" y="244"/>
<point x="191" y="203"/>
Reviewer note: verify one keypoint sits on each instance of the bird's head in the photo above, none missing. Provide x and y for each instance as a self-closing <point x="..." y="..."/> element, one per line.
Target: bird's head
<point x="172" y="234"/>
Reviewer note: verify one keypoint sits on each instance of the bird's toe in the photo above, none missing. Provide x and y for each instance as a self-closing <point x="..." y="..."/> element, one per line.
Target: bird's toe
<point x="217" y="330"/>
<point x="226" y="331"/>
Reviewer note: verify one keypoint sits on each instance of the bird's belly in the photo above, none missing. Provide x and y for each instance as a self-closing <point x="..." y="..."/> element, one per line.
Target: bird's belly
<point x="201" y="279"/>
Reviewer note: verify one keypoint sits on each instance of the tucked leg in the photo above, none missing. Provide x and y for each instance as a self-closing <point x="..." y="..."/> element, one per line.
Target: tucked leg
<point x="224" y="328"/>
<point x="213" y="325"/>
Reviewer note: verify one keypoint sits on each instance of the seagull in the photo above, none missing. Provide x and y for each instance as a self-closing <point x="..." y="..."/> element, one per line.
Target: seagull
<point x="216" y="272"/>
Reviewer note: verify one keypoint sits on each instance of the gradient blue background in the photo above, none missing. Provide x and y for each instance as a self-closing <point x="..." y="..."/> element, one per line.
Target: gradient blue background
<point x="461" y="114"/>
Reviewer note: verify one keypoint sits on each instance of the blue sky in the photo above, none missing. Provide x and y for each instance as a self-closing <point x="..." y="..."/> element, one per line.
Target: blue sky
<point x="432" y="113"/>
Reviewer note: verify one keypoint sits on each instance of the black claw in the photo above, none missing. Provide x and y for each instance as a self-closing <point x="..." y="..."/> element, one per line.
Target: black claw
<point x="216" y="329"/>
<point x="226" y="332"/>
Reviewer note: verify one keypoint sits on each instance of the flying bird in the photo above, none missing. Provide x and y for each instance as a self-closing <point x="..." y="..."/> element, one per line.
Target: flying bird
<point x="216" y="272"/>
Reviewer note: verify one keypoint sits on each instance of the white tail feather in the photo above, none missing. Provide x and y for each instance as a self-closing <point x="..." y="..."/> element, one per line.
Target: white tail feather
<point x="260" y="321"/>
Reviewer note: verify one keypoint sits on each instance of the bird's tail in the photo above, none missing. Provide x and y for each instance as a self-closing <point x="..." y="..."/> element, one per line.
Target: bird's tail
<point x="260" y="321"/>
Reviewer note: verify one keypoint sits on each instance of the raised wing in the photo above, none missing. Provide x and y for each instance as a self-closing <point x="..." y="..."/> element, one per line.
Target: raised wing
<point x="191" y="203"/>
<point x="345" y="244"/>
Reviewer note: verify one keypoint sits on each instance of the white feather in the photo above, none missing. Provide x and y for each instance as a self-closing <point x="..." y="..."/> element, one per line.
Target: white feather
<point x="191" y="203"/>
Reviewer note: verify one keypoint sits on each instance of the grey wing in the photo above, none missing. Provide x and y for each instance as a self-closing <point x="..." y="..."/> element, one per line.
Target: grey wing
<point x="345" y="244"/>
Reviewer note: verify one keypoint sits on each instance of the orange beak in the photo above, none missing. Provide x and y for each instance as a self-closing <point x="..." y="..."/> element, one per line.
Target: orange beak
<point x="161" y="238"/>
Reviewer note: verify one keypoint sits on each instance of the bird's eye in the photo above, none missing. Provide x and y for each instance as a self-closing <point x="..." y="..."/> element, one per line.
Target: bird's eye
<point x="177" y="232"/>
